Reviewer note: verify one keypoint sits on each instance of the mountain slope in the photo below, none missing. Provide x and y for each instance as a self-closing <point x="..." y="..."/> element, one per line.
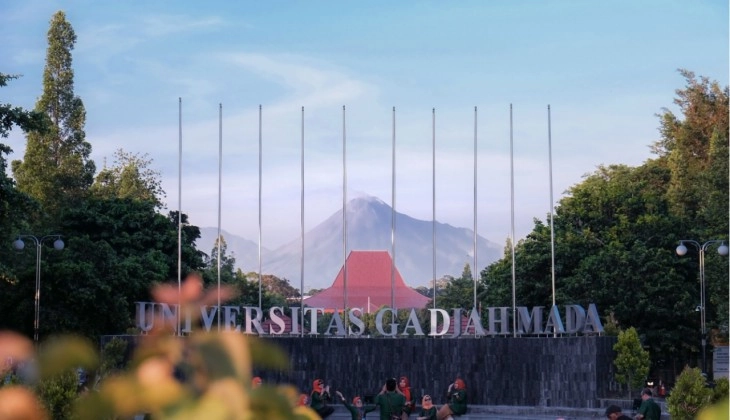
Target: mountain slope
<point x="369" y="228"/>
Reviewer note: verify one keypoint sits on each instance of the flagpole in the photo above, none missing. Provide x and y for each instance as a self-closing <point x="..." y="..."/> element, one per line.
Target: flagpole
<point x="344" y="207"/>
<point x="433" y="199"/>
<point x="220" y="179"/>
<point x="301" y="261"/>
<point x="260" y="178"/>
<point x="392" y="226"/>
<point x="179" y="215"/>
<point x="512" y="214"/>
<point x="475" y="271"/>
<point x="552" y="206"/>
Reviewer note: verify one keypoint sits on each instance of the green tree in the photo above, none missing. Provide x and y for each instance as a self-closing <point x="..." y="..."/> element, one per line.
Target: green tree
<point x="14" y="115"/>
<point x="277" y="286"/>
<point x="632" y="361"/>
<point x="56" y="169"/>
<point x="458" y="293"/>
<point x="15" y="206"/>
<point x="225" y="265"/>
<point x="58" y="393"/>
<point x="116" y="249"/>
<point x="689" y="395"/>
<point x="131" y="176"/>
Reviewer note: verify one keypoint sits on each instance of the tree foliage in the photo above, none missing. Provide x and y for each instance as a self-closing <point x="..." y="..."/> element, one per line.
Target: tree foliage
<point x="616" y="232"/>
<point x="15" y="206"/>
<point x="56" y="169"/>
<point x="632" y="361"/>
<point x="131" y="176"/>
<point x="689" y="395"/>
<point x="14" y="115"/>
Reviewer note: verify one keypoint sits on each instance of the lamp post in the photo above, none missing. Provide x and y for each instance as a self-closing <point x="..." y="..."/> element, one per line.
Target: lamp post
<point x="19" y="244"/>
<point x="722" y="249"/>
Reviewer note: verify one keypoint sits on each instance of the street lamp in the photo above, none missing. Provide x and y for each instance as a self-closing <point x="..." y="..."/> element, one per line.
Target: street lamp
<point x="19" y="244"/>
<point x="722" y="249"/>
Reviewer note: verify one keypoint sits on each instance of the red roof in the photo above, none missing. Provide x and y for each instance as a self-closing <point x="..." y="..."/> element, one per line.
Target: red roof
<point x="368" y="286"/>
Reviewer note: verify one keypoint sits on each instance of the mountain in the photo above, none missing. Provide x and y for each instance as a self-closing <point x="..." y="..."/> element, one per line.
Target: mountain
<point x="369" y="228"/>
<point x="245" y="252"/>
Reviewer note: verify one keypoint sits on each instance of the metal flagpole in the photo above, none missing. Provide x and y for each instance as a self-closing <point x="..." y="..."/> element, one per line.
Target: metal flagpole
<point x="220" y="179"/>
<point x="344" y="207"/>
<point x="433" y="198"/>
<point x="552" y="206"/>
<point x="301" y="260"/>
<point x="475" y="271"/>
<point x="512" y="214"/>
<point x="179" y="215"/>
<point x="392" y="226"/>
<point x="260" y="165"/>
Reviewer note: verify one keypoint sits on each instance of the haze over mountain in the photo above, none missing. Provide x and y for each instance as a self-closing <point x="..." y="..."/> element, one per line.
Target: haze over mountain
<point x="369" y="228"/>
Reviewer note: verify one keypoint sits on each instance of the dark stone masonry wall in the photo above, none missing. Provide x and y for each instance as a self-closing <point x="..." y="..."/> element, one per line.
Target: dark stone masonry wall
<point x="539" y="371"/>
<point x="505" y="371"/>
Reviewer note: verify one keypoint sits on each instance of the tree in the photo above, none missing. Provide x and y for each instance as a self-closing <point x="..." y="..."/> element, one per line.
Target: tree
<point x="458" y="293"/>
<point x="632" y="361"/>
<point x="15" y="207"/>
<point x="276" y="286"/>
<point x="694" y="148"/>
<point x="9" y="115"/>
<point x="130" y="177"/>
<point x="57" y="170"/>
<point x="689" y="395"/>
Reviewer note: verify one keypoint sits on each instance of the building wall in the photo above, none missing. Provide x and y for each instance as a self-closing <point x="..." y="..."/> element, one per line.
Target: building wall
<point x="536" y="371"/>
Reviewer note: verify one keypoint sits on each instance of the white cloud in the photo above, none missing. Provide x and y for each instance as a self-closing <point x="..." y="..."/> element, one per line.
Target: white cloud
<point x="161" y="25"/>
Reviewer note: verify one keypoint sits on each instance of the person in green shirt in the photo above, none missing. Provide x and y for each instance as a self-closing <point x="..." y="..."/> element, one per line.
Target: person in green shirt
<point x="390" y="402"/>
<point x="649" y="409"/>
<point x="357" y="409"/>
<point x="455" y="400"/>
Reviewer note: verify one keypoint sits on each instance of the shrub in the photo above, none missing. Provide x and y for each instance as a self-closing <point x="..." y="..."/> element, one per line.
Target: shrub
<point x="689" y="395"/>
<point x="58" y="393"/>
<point x="721" y="390"/>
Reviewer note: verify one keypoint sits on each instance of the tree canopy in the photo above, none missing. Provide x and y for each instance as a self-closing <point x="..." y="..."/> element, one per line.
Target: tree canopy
<point x="56" y="169"/>
<point x="616" y="234"/>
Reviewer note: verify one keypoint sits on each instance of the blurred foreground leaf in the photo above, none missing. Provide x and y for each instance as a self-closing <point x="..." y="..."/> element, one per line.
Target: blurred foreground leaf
<point x="267" y="355"/>
<point x="18" y="402"/>
<point x="60" y="354"/>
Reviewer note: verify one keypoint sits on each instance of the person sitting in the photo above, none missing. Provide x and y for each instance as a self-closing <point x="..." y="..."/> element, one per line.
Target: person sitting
<point x="357" y="409"/>
<point x="319" y="397"/>
<point x="404" y="387"/>
<point x="455" y="401"/>
<point x="428" y="410"/>
<point x="303" y="400"/>
<point x="613" y="412"/>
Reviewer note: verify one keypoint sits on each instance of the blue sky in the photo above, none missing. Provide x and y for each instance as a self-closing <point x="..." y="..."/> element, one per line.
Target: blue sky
<point x="606" y="69"/>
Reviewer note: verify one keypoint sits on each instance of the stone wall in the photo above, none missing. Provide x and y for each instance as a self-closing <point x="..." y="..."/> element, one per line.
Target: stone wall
<point x="536" y="371"/>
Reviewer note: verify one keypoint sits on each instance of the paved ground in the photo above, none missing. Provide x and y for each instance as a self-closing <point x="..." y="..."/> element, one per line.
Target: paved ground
<point x="479" y="412"/>
<point x="482" y="412"/>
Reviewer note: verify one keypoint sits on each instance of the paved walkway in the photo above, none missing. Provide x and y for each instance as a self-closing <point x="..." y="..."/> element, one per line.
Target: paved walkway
<point x="505" y="412"/>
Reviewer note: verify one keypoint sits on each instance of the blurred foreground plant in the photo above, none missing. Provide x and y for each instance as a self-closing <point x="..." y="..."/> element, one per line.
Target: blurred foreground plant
<point x="204" y="375"/>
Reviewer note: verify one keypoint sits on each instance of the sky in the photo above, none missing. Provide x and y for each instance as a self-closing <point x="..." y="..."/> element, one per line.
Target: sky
<point x="605" y="68"/>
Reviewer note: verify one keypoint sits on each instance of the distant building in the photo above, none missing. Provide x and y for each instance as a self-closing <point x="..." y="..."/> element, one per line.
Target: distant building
<point x="368" y="286"/>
